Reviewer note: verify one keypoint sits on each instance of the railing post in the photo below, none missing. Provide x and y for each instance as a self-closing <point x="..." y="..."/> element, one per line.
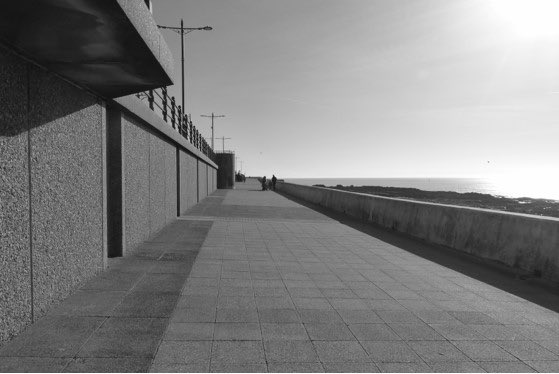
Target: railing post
<point x="185" y="128"/>
<point x="173" y="117"/>
<point x="164" y="109"/>
<point x="179" y="119"/>
<point x="190" y="130"/>
<point x="150" y="99"/>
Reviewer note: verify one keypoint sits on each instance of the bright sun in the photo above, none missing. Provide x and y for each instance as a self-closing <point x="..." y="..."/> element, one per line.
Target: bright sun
<point x="529" y="18"/>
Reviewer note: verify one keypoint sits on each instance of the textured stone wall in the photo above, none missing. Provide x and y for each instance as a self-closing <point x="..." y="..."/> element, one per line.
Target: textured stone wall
<point x="67" y="127"/>
<point x="135" y="183"/>
<point x="52" y="191"/>
<point x="202" y="180"/>
<point x="15" y="277"/>
<point x="149" y="182"/>
<point x="189" y="183"/>
<point x="53" y="186"/>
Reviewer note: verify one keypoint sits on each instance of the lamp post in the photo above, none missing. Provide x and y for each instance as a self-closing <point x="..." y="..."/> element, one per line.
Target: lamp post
<point x="182" y="31"/>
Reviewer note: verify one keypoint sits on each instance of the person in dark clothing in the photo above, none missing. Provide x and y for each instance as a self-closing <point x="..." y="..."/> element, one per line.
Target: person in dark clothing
<point x="274" y="180"/>
<point x="264" y="183"/>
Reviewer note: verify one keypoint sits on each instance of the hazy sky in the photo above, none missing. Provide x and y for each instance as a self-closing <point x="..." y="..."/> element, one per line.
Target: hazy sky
<point x="365" y="88"/>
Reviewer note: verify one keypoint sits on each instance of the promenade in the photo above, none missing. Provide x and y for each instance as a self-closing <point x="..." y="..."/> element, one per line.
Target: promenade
<point x="251" y="281"/>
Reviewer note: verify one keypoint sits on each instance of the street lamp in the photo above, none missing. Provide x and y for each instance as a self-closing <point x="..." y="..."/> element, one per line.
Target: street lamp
<point x="182" y="31"/>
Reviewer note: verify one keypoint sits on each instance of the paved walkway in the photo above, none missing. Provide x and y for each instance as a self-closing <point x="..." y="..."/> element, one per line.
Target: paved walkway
<point x="252" y="281"/>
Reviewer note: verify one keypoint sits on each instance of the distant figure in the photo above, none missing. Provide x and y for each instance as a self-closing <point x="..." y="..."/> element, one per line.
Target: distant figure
<point x="264" y="183"/>
<point x="274" y="180"/>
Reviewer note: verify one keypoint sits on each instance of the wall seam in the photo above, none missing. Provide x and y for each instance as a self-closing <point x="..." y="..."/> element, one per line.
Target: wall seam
<point x="149" y="183"/>
<point x="28" y="110"/>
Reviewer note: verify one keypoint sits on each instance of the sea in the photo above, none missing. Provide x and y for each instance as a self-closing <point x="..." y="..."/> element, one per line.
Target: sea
<point x="546" y="188"/>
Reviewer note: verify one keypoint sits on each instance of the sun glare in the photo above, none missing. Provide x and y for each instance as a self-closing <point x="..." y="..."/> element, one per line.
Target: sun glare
<point x="529" y="18"/>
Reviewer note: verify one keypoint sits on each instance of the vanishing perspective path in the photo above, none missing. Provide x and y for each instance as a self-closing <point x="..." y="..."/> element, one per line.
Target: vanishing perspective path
<point x="249" y="280"/>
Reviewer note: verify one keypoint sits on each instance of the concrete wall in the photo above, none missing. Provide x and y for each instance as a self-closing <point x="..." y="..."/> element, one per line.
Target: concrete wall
<point x="59" y="189"/>
<point x="52" y="190"/>
<point x="529" y="243"/>
<point x="202" y="180"/>
<point x="189" y="182"/>
<point x="149" y="182"/>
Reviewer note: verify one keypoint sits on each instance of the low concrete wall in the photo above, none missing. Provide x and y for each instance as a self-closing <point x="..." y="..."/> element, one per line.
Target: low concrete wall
<point x="529" y="243"/>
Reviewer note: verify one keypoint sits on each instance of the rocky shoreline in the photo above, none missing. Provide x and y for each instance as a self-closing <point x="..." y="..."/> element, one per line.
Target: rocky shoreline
<point x="526" y="205"/>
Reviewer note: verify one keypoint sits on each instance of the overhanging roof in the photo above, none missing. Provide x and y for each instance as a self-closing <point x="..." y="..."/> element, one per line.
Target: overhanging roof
<point x="112" y="47"/>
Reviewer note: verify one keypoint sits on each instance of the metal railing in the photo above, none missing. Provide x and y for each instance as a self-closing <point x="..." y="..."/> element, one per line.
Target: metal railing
<point x="163" y="104"/>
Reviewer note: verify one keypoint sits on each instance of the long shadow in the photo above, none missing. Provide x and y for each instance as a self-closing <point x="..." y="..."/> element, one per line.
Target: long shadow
<point x="538" y="291"/>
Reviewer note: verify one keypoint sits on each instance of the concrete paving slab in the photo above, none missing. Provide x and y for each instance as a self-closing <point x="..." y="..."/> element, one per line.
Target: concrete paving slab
<point x="483" y="351"/>
<point x="237" y="331"/>
<point x="456" y="367"/>
<point x="189" y="331"/>
<point x="390" y="351"/>
<point x="238" y="368"/>
<point x="506" y="367"/>
<point x="107" y="364"/>
<point x="437" y="351"/>
<point x="373" y="331"/>
<point x="340" y="351"/>
<point x="237" y="352"/>
<point x="146" y="305"/>
<point x="33" y="364"/>
<point x="284" y="331"/>
<point x="329" y="331"/>
<point x="184" y="352"/>
<point x="194" y="315"/>
<point x="401" y="367"/>
<point x="296" y="367"/>
<point x="179" y="368"/>
<point x="290" y="351"/>
<point x="125" y="337"/>
<point x="53" y="336"/>
<point x="92" y="303"/>
<point x="527" y="350"/>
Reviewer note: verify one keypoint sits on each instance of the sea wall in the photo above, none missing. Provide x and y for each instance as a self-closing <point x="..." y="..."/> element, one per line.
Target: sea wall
<point x="524" y="242"/>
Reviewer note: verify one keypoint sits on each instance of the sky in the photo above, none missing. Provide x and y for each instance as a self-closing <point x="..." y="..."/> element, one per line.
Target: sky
<point x="374" y="88"/>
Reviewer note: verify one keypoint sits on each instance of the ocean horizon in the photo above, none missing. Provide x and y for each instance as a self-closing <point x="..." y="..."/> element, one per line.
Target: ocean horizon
<point x="516" y="188"/>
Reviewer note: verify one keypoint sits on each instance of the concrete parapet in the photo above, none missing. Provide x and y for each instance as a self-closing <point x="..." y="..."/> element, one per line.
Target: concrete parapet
<point x="525" y="242"/>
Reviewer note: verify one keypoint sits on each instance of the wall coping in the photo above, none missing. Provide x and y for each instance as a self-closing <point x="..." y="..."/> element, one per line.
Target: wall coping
<point x="485" y="210"/>
<point x="136" y="108"/>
